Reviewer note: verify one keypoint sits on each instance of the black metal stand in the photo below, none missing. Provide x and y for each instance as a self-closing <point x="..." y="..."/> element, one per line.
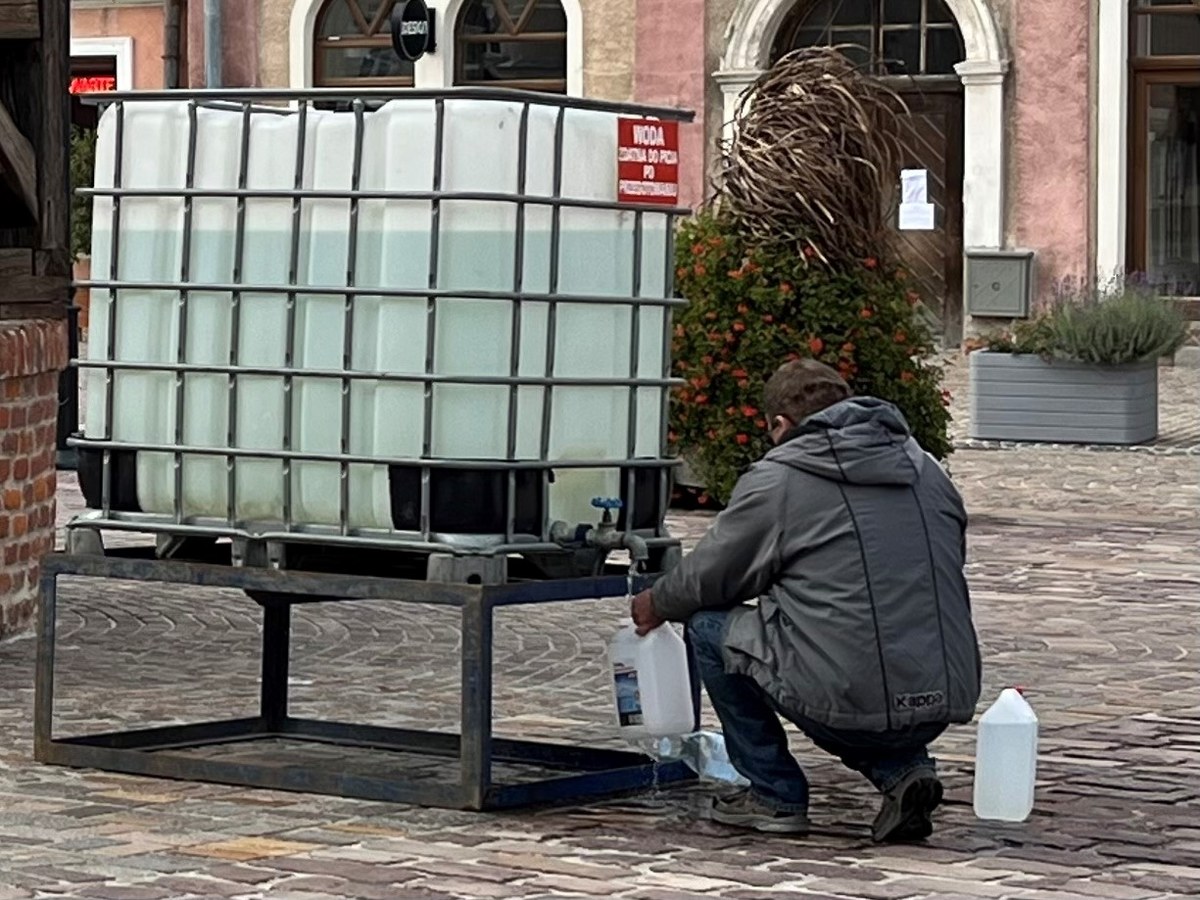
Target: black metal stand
<point x="578" y="772"/>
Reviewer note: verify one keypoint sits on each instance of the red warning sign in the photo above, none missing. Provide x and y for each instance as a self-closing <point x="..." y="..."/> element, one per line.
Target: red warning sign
<point x="647" y="161"/>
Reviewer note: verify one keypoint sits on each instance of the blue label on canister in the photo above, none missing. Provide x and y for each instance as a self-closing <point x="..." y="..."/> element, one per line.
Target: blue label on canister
<point x="629" y="698"/>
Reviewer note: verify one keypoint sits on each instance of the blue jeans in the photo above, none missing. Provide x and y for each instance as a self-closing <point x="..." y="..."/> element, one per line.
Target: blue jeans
<point x="757" y="743"/>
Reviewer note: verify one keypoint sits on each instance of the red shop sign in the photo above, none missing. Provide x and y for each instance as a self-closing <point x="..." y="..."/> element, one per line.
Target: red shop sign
<point x="647" y="161"/>
<point x="89" y="84"/>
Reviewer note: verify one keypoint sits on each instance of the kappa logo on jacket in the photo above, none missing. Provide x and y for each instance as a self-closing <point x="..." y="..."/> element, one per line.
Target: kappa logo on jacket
<point x="920" y="701"/>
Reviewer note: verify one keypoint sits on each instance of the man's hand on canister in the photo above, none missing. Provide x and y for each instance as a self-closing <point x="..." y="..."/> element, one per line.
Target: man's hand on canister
<point x="641" y="608"/>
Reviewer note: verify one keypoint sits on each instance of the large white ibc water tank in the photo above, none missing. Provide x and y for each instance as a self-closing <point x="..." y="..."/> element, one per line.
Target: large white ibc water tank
<point x="373" y="243"/>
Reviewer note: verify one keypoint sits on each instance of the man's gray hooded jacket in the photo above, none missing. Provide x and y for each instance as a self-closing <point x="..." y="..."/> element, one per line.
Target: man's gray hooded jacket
<point x="853" y="540"/>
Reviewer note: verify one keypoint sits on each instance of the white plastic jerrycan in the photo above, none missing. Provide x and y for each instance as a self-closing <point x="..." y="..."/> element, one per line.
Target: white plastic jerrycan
<point x="651" y="689"/>
<point x="1006" y="759"/>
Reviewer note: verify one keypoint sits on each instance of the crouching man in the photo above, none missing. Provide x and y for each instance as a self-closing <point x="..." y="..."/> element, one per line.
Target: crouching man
<point x="852" y="540"/>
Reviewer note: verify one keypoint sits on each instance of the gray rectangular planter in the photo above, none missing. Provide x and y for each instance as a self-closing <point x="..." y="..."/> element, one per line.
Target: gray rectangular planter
<point x="1022" y="397"/>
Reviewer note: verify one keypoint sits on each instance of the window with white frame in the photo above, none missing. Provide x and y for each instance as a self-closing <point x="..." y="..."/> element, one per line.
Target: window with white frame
<point x="352" y="46"/>
<point x="512" y="43"/>
<point x="1164" y="220"/>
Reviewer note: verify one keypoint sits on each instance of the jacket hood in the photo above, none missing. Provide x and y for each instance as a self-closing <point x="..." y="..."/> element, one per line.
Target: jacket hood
<point x="862" y="440"/>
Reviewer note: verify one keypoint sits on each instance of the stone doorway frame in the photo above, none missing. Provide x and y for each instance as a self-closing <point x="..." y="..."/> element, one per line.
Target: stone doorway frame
<point x="752" y="32"/>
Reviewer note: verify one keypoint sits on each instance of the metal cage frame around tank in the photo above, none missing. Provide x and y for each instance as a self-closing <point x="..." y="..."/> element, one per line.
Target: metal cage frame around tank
<point x="250" y="102"/>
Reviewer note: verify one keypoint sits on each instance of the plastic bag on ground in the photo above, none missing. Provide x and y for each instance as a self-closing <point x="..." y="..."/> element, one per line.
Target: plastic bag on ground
<point x="703" y="752"/>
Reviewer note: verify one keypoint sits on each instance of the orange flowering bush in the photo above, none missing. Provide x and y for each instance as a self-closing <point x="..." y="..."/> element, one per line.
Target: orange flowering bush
<point x="752" y="308"/>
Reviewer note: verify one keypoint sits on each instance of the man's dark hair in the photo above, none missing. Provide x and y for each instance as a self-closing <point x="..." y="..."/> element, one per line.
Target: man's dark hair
<point x="803" y="387"/>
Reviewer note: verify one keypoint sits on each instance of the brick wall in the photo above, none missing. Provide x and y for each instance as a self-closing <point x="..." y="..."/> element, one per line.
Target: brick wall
<point x="32" y="354"/>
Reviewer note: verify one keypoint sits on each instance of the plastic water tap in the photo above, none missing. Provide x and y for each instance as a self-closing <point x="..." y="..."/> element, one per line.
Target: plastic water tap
<point x="608" y="504"/>
<point x="603" y="536"/>
<point x="606" y="535"/>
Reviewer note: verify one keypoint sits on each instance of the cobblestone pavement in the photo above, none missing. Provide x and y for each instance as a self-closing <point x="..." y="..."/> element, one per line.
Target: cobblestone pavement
<point x="1086" y="586"/>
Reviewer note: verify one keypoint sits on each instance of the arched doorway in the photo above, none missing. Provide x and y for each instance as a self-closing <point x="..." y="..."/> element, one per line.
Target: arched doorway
<point x="757" y="25"/>
<point x="897" y="37"/>
<point x="915" y="45"/>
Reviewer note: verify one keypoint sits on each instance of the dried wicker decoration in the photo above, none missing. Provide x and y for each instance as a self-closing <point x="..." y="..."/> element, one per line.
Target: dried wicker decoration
<point x="814" y="158"/>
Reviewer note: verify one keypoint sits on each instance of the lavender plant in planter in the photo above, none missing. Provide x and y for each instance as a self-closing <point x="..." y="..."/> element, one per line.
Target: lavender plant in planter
<point x="1083" y="371"/>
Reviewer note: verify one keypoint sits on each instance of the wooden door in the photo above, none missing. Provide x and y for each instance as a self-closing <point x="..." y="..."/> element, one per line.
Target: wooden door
<point x="933" y="140"/>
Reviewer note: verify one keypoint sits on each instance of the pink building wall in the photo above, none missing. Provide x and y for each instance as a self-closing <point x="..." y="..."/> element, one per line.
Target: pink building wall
<point x="1050" y="199"/>
<point x="669" y="69"/>
<point x="239" y="51"/>
<point x="144" y="24"/>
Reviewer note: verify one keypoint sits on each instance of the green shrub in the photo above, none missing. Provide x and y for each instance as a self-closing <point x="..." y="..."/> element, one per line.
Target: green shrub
<point x="751" y="308"/>
<point x="1115" y="324"/>
<point x="83" y="163"/>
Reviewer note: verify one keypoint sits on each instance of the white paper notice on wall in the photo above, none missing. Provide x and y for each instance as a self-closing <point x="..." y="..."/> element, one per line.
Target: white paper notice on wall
<point x="917" y="217"/>
<point x="916" y="212"/>
<point x="914" y="186"/>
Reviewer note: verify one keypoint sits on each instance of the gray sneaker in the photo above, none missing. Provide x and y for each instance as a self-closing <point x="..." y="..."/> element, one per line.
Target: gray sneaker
<point x="905" y="812"/>
<point x="744" y="810"/>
